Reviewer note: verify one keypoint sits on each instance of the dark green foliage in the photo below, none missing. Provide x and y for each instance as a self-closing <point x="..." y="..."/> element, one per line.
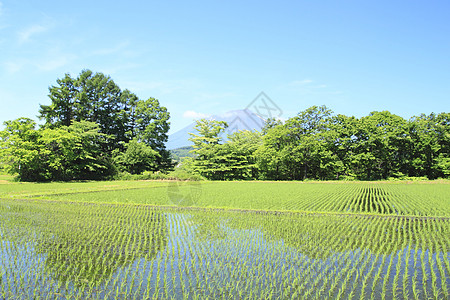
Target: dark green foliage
<point x="121" y="115"/>
<point x="149" y="124"/>
<point x="92" y="128"/>
<point x="210" y="161"/>
<point x="315" y="144"/>
<point x="65" y="153"/>
<point x="137" y="158"/>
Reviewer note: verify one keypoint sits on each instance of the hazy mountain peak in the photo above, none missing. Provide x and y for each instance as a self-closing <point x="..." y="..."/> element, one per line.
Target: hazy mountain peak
<point x="241" y="119"/>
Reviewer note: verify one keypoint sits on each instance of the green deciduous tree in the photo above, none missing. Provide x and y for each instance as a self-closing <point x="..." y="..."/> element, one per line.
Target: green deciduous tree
<point x="149" y="123"/>
<point x="64" y="153"/>
<point x="430" y="145"/>
<point x="240" y="150"/>
<point x="210" y="160"/>
<point x="120" y="115"/>
<point x="315" y="144"/>
<point x="20" y="148"/>
<point x="300" y="148"/>
<point x="137" y="158"/>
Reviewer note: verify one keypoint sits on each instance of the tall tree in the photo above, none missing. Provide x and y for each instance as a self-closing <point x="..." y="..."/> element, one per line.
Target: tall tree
<point x="149" y="122"/>
<point x="210" y="160"/>
<point x="241" y="147"/>
<point x="63" y="109"/>
<point x="64" y="153"/>
<point x="381" y="137"/>
<point x="121" y="115"/>
<point x="430" y="145"/>
<point x="20" y="149"/>
<point x="275" y="158"/>
<point x="308" y="139"/>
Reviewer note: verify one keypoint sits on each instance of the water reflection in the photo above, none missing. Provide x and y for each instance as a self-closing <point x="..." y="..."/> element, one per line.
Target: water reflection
<point x="81" y="245"/>
<point x="112" y="252"/>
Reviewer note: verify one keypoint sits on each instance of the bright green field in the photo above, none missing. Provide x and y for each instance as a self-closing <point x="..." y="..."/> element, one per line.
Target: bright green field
<point x="354" y="240"/>
<point x="418" y="199"/>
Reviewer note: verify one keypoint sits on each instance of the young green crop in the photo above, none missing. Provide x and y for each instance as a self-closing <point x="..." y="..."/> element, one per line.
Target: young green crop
<point x="383" y="198"/>
<point x="92" y="249"/>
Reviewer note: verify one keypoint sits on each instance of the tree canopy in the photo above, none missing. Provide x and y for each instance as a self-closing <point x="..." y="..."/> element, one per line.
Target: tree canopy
<point x="92" y="129"/>
<point x="121" y="115"/>
<point x="316" y="144"/>
<point x="64" y="153"/>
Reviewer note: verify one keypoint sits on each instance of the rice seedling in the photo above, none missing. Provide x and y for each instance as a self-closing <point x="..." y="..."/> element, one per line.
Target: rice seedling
<point x="355" y="240"/>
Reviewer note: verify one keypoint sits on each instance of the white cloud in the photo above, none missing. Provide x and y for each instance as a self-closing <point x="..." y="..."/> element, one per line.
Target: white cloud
<point x="308" y="86"/>
<point x="14" y="66"/>
<point x="300" y="82"/>
<point x="52" y="60"/>
<point x="208" y="97"/>
<point x="26" y="34"/>
<point x="163" y="87"/>
<point x="111" y="50"/>
<point x="194" y="115"/>
<point x="55" y="62"/>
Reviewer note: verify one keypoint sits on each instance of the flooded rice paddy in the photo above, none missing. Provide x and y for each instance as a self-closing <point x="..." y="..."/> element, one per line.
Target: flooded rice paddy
<point x="63" y="250"/>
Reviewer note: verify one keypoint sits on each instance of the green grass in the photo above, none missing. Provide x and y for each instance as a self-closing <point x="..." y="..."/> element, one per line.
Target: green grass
<point x="4" y="179"/>
<point x="386" y="198"/>
<point x="36" y="190"/>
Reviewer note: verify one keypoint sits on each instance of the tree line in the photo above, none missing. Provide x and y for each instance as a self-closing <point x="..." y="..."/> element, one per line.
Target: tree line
<point x="92" y="130"/>
<point x="317" y="144"/>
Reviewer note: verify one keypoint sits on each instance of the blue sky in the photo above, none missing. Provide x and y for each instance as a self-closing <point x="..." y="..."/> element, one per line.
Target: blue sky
<point x="209" y="57"/>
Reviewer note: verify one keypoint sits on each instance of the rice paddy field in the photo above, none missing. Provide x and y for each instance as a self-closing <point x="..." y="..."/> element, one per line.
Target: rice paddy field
<point x="225" y="240"/>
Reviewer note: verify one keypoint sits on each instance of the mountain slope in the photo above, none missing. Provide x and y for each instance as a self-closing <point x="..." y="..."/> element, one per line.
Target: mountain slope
<point x="237" y="120"/>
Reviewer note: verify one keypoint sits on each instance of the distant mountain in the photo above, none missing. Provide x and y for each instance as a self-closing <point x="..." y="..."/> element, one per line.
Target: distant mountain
<point x="237" y="120"/>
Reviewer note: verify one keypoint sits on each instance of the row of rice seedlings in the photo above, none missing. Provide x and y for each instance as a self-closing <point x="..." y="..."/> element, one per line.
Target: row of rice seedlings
<point x="408" y="200"/>
<point x="382" y="197"/>
<point x="369" y="199"/>
<point x="125" y="251"/>
<point x="439" y="263"/>
<point x="348" y="198"/>
<point x="427" y="200"/>
<point x="379" y="198"/>
<point x="338" y="199"/>
<point x="358" y="265"/>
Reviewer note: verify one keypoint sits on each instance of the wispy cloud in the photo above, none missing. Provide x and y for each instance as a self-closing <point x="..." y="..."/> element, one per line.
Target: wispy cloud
<point x="112" y="50"/>
<point x="163" y="87"/>
<point x="55" y="62"/>
<point x="48" y="62"/>
<point x="194" y="115"/>
<point x="300" y="82"/>
<point x="207" y="97"/>
<point x="308" y="86"/>
<point x="306" y="83"/>
<point x="14" y="66"/>
<point x="26" y="34"/>
<point x="117" y="68"/>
